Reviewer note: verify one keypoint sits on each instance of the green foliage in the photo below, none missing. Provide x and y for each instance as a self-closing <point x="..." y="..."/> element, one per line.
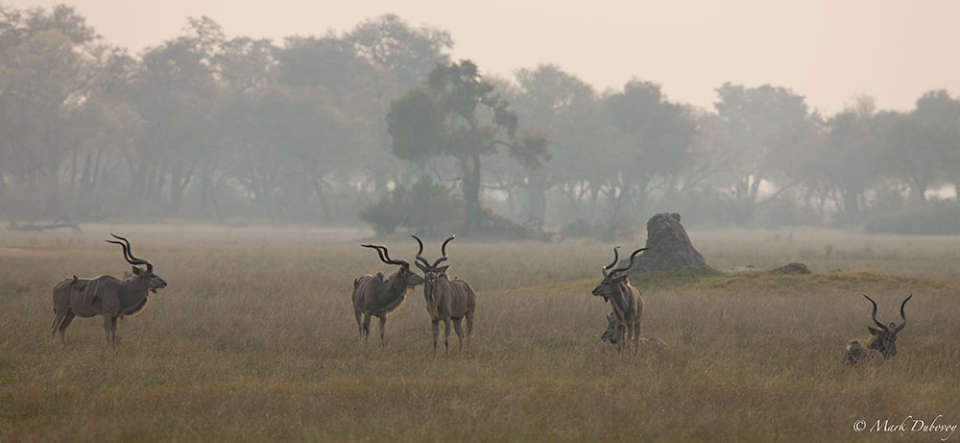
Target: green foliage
<point x="426" y="207"/>
<point x="416" y="123"/>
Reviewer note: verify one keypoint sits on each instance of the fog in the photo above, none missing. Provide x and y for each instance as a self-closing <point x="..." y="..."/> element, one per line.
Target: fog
<point x="511" y="120"/>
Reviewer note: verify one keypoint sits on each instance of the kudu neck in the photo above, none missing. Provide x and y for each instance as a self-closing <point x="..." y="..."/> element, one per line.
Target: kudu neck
<point x="134" y="291"/>
<point x="621" y="296"/>
<point x="397" y="284"/>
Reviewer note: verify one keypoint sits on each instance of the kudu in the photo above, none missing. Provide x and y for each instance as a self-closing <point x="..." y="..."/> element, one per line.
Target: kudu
<point x="610" y="335"/>
<point x="446" y="299"/>
<point x="374" y="295"/>
<point x="624" y="299"/>
<point x="105" y="295"/>
<point x="883" y="341"/>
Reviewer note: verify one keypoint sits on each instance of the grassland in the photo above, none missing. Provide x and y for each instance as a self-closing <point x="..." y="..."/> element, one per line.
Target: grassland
<point x="254" y="339"/>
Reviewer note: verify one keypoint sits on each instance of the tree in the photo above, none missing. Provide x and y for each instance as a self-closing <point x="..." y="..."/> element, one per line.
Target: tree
<point x="458" y="114"/>
<point x="845" y="162"/>
<point x="409" y="53"/>
<point x="767" y="128"/>
<point x="176" y="94"/>
<point x="655" y="139"/>
<point x="939" y="115"/>
<point x="568" y="112"/>
<point x="49" y="65"/>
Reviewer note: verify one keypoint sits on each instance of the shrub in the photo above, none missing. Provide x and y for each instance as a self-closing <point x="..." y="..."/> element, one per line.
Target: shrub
<point x="426" y="207"/>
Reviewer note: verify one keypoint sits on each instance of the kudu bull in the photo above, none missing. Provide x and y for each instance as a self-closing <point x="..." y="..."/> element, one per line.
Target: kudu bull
<point x="104" y="295"/>
<point x="624" y="299"/>
<point x="374" y="295"/>
<point x="883" y="341"/>
<point x="446" y="299"/>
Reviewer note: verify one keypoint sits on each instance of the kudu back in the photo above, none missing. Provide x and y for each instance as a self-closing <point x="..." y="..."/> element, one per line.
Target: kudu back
<point x="105" y="295"/>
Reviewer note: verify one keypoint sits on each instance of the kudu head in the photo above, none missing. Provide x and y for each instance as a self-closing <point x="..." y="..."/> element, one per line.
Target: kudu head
<point x="432" y="272"/>
<point x="614" y="280"/>
<point x="146" y="276"/>
<point x="408" y="278"/>
<point x="884" y="338"/>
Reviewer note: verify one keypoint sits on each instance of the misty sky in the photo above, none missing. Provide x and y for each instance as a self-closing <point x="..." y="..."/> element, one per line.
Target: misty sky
<point x="827" y="50"/>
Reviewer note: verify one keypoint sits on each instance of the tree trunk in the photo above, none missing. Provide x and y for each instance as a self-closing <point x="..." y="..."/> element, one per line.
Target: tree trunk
<point x="918" y="188"/>
<point x="471" y="194"/>
<point x="322" y="199"/>
<point x="594" y="198"/>
<point x="73" y="170"/>
<point x="537" y="200"/>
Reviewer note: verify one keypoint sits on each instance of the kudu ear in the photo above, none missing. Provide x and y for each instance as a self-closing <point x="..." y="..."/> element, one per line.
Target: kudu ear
<point x="442" y="269"/>
<point x="419" y="265"/>
<point x="136" y="270"/>
<point x="873" y="331"/>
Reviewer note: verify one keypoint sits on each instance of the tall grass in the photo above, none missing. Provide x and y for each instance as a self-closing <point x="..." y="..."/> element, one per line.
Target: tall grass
<point x="255" y="339"/>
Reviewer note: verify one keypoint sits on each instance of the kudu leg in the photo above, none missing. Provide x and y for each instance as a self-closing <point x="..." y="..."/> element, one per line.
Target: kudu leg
<point x="636" y="337"/>
<point x="446" y="336"/>
<point x="621" y="337"/>
<point x="469" y="328"/>
<point x="383" y="326"/>
<point x="436" y="333"/>
<point x="365" y="332"/>
<point x="63" y="327"/>
<point x="107" y="329"/>
<point x="113" y="331"/>
<point x="359" y="315"/>
<point x="57" y="319"/>
<point x="459" y="330"/>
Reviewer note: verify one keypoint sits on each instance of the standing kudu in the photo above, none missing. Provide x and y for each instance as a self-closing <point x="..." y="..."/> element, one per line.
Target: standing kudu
<point x="624" y="299"/>
<point x="105" y="295"/>
<point x="883" y="341"/>
<point x="375" y="296"/>
<point x="446" y="299"/>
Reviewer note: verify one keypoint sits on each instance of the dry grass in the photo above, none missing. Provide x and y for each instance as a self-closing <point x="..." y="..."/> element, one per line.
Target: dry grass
<point x="254" y="339"/>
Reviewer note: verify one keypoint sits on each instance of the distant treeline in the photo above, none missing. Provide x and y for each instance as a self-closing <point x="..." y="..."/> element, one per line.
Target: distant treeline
<point x="329" y="128"/>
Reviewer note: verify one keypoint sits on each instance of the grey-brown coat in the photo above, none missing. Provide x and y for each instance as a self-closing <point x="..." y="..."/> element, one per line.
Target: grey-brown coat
<point x="882" y="343"/>
<point x="625" y="300"/>
<point x="104" y="295"/>
<point x="446" y="299"/>
<point x="376" y="296"/>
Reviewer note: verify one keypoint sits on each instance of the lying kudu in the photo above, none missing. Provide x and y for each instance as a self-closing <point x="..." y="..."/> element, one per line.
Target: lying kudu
<point x="625" y="300"/>
<point x="610" y="335"/>
<point x="104" y="295"/>
<point x="446" y="299"/>
<point x="374" y="295"/>
<point x="883" y="341"/>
